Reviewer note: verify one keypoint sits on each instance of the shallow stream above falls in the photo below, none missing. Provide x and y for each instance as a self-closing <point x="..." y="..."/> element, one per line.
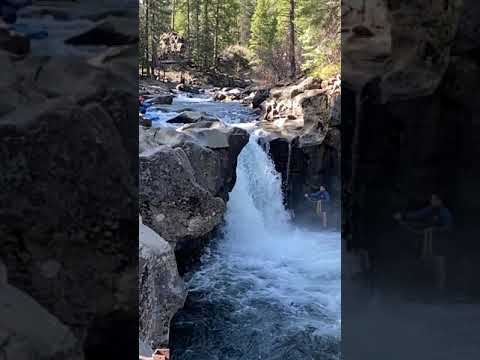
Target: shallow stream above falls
<point x="265" y="288"/>
<point x="230" y="113"/>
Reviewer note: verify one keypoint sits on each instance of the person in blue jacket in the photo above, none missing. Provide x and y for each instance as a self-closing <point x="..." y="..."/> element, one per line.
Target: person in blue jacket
<point x="321" y="198"/>
<point x="436" y="215"/>
<point x="435" y="218"/>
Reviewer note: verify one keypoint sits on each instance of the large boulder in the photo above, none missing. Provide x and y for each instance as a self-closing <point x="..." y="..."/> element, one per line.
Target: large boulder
<point x="57" y="231"/>
<point x="171" y="201"/>
<point x="212" y="149"/>
<point x="216" y="134"/>
<point x="190" y="117"/>
<point x="161" y="289"/>
<point x="185" y="177"/>
<point x="259" y="97"/>
<point x="160" y="99"/>
<point x="151" y="139"/>
<point x="29" y="331"/>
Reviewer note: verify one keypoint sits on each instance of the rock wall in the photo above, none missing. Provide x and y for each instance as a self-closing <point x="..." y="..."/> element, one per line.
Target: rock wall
<point x="185" y="177"/>
<point x="302" y="122"/>
<point x="410" y="119"/>
<point x="162" y="291"/>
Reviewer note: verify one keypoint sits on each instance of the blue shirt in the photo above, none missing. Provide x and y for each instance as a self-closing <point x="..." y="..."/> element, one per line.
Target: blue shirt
<point x="320" y="196"/>
<point x="440" y="216"/>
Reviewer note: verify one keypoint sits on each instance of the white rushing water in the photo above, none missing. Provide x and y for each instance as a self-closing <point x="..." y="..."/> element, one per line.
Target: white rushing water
<point x="272" y="289"/>
<point x="231" y="113"/>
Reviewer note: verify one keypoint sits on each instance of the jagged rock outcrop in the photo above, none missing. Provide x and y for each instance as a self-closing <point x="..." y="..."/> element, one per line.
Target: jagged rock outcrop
<point x="170" y="44"/>
<point x="185" y="177"/>
<point x="161" y="290"/>
<point x="302" y="122"/>
<point x="403" y="47"/>
<point x="19" y="313"/>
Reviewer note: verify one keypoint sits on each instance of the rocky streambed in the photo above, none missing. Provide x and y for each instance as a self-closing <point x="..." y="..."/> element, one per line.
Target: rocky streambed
<point x="211" y="188"/>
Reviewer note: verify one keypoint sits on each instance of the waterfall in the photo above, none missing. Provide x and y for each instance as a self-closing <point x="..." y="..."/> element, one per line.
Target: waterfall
<point x="257" y="199"/>
<point x="266" y="289"/>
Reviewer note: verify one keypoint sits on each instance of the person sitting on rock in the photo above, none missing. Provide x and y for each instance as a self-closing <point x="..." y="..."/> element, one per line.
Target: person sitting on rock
<point x="321" y="198"/>
<point x="433" y="218"/>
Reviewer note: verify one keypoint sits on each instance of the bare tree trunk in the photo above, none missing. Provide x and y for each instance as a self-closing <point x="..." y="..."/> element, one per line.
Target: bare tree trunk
<point x="291" y="42"/>
<point x="188" y="29"/>
<point x="215" y="41"/>
<point x="197" y="29"/>
<point x="147" y="32"/>
<point x="206" y="30"/>
<point x="153" y="53"/>
<point x="172" y="23"/>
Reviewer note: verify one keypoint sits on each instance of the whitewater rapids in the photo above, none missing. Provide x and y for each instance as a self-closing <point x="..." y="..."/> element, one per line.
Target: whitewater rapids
<point x="266" y="289"/>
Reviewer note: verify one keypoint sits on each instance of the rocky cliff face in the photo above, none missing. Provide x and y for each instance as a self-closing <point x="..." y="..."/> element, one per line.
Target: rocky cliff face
<point x="68" y="161"/>
<point x="186" y="174"/>
<point x="411" y="73"/>
<point x="17" y="311"/>
<point x="161" y="289"/>
<point x="402" y="46"/>
<point x="303" y="137"/>
<point x="185" y="177"/>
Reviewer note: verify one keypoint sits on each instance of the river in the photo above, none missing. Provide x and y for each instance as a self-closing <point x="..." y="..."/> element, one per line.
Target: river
<point x="266" y="288"/>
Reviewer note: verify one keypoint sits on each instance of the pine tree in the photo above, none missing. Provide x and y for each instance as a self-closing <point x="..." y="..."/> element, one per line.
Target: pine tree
<point x="283" y="35"/>
<point x="263" y="31"/>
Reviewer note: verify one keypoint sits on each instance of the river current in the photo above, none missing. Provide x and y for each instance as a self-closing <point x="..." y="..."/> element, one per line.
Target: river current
<point x="265" y="288"/>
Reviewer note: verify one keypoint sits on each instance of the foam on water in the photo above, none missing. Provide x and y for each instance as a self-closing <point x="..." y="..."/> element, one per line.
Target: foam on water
<point x="231" y="113"/>
<point x="280" y="283"/>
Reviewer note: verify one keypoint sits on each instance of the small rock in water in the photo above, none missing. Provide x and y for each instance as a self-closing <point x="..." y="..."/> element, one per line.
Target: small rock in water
<point x="145" y="122"/>
<point x="190" y="117"/>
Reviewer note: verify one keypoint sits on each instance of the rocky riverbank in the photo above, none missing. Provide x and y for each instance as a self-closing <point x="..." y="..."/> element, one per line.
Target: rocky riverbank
<point x="67" y="118"/>
<point x="301" y="122"/>
<point x="188" y="165"/>
<point x="187" y="169"/>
